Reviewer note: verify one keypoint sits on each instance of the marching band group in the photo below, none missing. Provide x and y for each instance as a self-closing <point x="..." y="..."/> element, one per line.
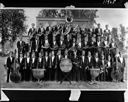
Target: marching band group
<point x="86" y="48"/>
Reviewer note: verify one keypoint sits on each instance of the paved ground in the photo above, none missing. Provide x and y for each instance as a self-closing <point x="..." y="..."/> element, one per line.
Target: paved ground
<point x="57" y="85"/>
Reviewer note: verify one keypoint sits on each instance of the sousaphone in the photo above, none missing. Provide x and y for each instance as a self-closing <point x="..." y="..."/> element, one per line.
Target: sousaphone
<point x="69" y="19"/>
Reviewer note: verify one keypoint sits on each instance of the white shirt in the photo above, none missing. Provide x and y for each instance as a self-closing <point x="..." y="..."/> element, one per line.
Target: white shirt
<point x="103" y="62"/>
<point x="80" y="44"/>
<point x="20" y="41"/>
<point x="96" y="59"/>
<point x="36" y="41"/>
<point x="61" y="42"/>
<point x="28" y="60"/>
<point x="89" y="58"/>
<point x="40" y="59"/>
<point x="21" y="59"/>
<point x="85" y="43"/>
<point x="75" y="54"/>
<point x="54" y="42"/>
<point x="33" y="59"/>
<point x="113" y="45"/>
<point x="107" y="30"/>
<point x="52" y="58"/>
<point x="11" y="58"/>
<point x="98" y="43"/>
<point x="73" y="44"/>
<point x="46" y="58"/>
<point x="83" y="58"/>
<point x="59" y="56"/>
<point x="121" y="59"/>
<point x="66" y="56"/>
<point x="99" y="30"/>
<point x="108" y="63"/>
<point x="105" y="43"/>
<point x="46" y="41"/>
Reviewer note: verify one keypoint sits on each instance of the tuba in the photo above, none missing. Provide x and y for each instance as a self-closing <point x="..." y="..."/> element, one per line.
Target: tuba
<point x="69" y="19"/>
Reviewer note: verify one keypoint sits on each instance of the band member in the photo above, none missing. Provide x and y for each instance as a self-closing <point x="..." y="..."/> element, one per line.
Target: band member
<point x="37" y="44"/>
<point x="121" y="61"/>
<point x="40" y="61"/>
<point x="73" y="46"/>
<point x="50" y="70"/>
<point x="53" y="66"/>
<point x="41" y="30"/>
<point x="46" y="63"/>
<point x="106" y="47"/>
<point x="85" y="44"/>
<point x="76" y="66"/>
<point x="106" y="31"/>
<point x="20" y="46"/>
<point x="46" y="44"/>
<point x="93" y="44"/>
<point x="59" y="73"/>
<point x="99" y="49"/>
<point x="68" y="41"/>
<point x="8" y="63"/>
<point x="22" y="69"/>
<point x="26" y="67"/>
<point x="26" y="47"/>
<point x="90" y="65"/>
<point x="97" y="63"/>
<point x="41" y="39"/>
<point x="98" y="31"/>
<point x="28" y="62"/>
<point x="33" y="65"/>
<point x="103" y="68"/>
<point x="102" y="46"/>
<point x="32" y="44"/>
<point x="54" y="45"/>
<point x="112" y="50"/>
<point x="32" y="31"/>
<point x="62" y="44"/>
<point x="83" y="70"/>
<point x="109" y="68"/>
<point x="79" y="42"/>
<point x="74" y="32"/>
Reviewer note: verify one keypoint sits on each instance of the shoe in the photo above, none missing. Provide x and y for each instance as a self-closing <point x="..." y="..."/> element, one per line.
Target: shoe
<point x="91" y="83"/>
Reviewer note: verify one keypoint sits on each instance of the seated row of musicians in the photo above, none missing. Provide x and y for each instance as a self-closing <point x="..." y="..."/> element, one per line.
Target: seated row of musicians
<point x="51" y="62"/>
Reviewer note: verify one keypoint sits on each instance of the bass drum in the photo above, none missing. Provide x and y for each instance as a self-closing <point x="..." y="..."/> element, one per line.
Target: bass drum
<point x="15" y="77"/>
<point x="66" y="65"/>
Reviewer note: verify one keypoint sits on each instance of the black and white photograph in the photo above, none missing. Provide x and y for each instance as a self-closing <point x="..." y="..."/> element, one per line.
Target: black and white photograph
<point x="62" y="48"/>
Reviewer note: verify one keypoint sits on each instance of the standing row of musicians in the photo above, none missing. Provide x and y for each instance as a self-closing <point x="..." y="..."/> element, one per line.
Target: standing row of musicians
<point x="35" y="45"/>
<point x="51" y="62"/>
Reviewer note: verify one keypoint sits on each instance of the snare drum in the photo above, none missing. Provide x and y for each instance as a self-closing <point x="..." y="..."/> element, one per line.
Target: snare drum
<point x="66" y="65"/>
